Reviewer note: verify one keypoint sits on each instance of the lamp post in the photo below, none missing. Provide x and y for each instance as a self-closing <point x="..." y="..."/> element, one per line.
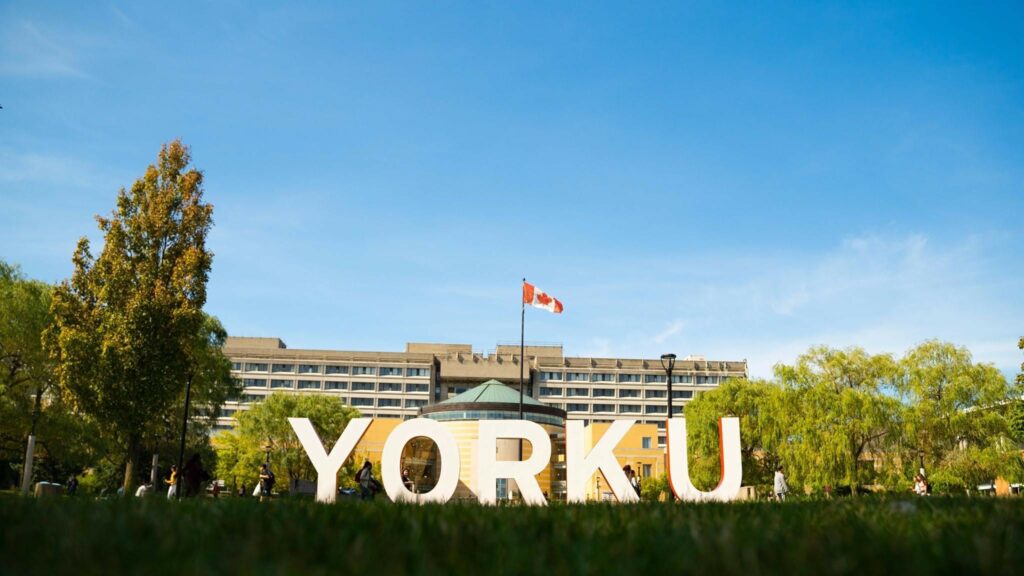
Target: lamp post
<point x="668" y="362"/>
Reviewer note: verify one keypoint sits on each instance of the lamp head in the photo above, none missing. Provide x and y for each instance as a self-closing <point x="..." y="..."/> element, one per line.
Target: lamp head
<point x="668" y="361"/>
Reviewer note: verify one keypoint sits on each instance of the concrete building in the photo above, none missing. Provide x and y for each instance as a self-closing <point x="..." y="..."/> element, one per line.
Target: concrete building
<point x="401" y="385"/>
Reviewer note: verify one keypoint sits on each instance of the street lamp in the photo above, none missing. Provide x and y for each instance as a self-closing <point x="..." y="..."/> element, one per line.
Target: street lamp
<point x="668" y="362"/>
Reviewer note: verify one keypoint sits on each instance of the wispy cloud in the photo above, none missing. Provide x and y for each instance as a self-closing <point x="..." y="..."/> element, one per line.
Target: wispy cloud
<point x="30" y="51"/>
<point x="671" y="330"/>
<point x="883" y="293"/>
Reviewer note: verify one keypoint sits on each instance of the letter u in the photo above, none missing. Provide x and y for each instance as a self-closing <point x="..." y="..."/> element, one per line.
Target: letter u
<point x="729" y="453"/>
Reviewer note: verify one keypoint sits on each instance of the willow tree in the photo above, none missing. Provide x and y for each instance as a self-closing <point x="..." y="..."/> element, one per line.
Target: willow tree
<point x="955" y="424"/>
<point x="127" y="319"/>
<point x="844" y="423"/>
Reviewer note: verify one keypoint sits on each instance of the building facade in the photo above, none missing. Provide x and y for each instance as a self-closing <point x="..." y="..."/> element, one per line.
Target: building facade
<point x="400" y="385"/>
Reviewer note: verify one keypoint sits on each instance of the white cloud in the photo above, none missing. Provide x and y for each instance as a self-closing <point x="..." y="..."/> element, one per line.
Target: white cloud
<point x="882" y="293"/>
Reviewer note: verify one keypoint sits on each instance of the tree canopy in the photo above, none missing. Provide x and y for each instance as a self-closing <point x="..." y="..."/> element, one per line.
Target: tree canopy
<point x="847" y="419"/>
<point x="263" y="432"/>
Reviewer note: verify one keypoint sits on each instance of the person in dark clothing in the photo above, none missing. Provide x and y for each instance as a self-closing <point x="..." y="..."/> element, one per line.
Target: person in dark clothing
<point x="193" y="475"/>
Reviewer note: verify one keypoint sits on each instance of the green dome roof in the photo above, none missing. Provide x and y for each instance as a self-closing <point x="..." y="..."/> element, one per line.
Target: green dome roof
<point x="491" y="391"/>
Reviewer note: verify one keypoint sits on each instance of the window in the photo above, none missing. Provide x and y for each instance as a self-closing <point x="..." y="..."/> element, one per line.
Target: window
<point x="549" y="376"/>
<point x="417" y="372"/>
<point x="255" y="367"/>
<point x="328" y="385"/>
<point x="417" y="387"/>
<point x="228" y="412"/>
<point x="236" y="365"/>
<point x="629" y="393"/>
<point x="282" y="367"/>
<point x="364" y="370"/>
<point x="576" y="377"/>
<point x="309" y="368"/>
<point x="337" y="370"/>
<point x="390" y="387"/>
<point x="629" y="408"/>
<point x="707" y="380"/>
<point x="577" y="392"/>
<point x="657" y="409"/>
<point x="604" y="392"/>
<point x="546" y="391"/>
<point x="652" y="378"/>
<point x="645" y="443"/>
<point x="655" y="394"/>
<point x="682" y="379"/>
<point x="647" y="470"/>
<point x="389" y="371"/>
<point x="682" y="394"/>
<point x="362" y="402"/>
<point x="389" y="403"/>
<point x="281" y="383"/>
<point x="677" y="410"/>
<point x="253" y="397"/>
<point x="254" y="382"/>
<point x="309" y="384"/>
<point x="363" y="386"/>
<point x="629" y="378"/>
<point x="604" y="408"/>
<point x="661" y="440"/>
<point x="415" y="403"/>
<point x="602" y="377"/>
<point x="577" y="407"/>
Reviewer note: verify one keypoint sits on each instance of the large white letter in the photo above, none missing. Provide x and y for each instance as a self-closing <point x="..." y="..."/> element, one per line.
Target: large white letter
<point x="327" y="466"/>
<point x="391" y="460"/>
<point x="580" y="468"/>
<point x="489" y="468"/>
<point x="729" y="453"/>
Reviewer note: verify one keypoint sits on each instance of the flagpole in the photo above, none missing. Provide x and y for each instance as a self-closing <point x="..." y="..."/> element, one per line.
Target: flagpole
<point x="522" y="358"/>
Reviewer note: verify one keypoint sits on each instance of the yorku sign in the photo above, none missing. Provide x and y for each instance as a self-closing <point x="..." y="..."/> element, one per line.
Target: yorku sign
<point x="580" y="465"/>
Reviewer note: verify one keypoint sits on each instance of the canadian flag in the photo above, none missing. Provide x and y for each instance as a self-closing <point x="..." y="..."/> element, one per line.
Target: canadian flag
<point x="538" y="299"/>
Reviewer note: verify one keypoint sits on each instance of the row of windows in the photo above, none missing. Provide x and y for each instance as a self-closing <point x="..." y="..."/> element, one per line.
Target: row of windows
<point x="627" y="378"/>
<point x="610" y="392"/>
<point x="331" y="385"/>
<point x="622" y="408"/>
<point x="321" y="369"/>
<point x="386" y="402"/>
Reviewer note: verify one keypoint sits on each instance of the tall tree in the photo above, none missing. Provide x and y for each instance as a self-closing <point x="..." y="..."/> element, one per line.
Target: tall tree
<point x="955" y="423"/>
<point x="126" y="321"/>
<point x="843" y="416"/>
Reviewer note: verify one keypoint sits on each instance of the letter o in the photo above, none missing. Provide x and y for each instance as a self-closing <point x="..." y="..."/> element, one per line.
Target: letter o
<point x="391" y="461"/>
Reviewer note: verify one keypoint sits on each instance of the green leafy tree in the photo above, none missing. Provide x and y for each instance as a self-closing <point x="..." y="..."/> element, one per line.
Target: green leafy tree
<point x="844" y="420"/>
<point x="760" y="406"/>
<point x="26" y="373"/>
<point x="1016" y="413"/>
<point x="125" y="324"/>
<point x="955" y="417"/>
<point x="263" y="432"/>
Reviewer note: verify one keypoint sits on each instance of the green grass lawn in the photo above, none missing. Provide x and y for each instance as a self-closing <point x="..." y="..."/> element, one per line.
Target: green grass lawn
<point x="864" y="536"/>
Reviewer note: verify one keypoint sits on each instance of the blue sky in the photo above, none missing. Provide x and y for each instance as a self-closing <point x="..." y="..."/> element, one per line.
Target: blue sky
<point x="735" y="181"/>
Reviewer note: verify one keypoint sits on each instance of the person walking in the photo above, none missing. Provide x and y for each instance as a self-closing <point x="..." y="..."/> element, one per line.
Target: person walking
<point x="634" y="482"/>
<point x="72" y="485"/>
<point x="781" y="488"/>
<point x="367" y="483"/>
<point x="266" y="481"/>
<point x="172" y="484"/>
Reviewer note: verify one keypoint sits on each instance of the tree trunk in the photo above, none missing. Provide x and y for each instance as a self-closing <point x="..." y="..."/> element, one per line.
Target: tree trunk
<point x="130" y="466"/>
